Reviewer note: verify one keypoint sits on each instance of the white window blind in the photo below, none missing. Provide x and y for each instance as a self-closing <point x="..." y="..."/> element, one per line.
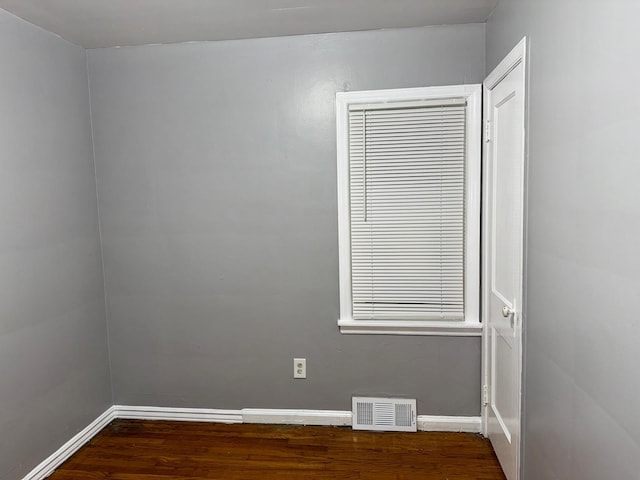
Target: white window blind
<point x="407" y="210"/>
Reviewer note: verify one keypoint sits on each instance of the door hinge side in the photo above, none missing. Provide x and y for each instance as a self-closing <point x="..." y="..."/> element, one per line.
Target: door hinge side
<point x="487" y="131"/>
<point x="485" y="395"/>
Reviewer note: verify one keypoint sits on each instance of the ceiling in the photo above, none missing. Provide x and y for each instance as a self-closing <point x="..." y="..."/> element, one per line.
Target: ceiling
<point x="109" y="23"/>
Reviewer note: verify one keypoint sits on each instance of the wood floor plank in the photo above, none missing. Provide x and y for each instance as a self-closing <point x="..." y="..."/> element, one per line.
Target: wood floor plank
<point x="162" y="450"/>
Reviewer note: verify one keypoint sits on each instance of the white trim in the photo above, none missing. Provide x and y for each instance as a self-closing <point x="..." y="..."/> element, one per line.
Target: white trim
<point x="344" y="207"/>
<point x="434" y="423"/>
<point x="471" y="325"/>
<point x="282" y="416"/>
<point x="337" y="418"/>
<point x="472" y="207"/>
<point x="341" y="418"/>
<point x="72" y="446"/>
<point x="396" y="327"/>
<point x="296" y="417"/>
<point x="178" y="414"/>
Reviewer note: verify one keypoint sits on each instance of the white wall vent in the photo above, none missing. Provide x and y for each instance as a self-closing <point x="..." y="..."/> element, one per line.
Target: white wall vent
<point x="384" y="414"/>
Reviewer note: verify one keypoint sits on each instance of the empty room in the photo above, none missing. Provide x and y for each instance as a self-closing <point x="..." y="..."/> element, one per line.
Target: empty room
<point x="319" y="239"/>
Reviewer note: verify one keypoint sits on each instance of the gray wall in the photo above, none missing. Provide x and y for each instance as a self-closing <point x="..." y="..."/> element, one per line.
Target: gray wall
<point x="217" y="190"/>
<point x="54" y="376"/>
<point x="582" y="324"/>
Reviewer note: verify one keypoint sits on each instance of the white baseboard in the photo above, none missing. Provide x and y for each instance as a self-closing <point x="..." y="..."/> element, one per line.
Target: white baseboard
<point x="72" y="446"/>
<point x="342" y="418"/>
<point x="178" y="414"/>
<point x="436" y="423"/>
<point x="339" y="418"/>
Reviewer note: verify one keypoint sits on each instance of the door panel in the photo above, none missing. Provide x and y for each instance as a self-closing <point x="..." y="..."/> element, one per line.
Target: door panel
<point x="504" y="186"/>
<point x="506" y="175"/>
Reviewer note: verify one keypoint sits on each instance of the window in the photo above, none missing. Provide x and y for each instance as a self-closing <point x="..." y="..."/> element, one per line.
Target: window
<point x="409" y="210"/>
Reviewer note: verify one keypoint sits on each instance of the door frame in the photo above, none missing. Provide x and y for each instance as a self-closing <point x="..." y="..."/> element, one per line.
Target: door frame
<point x="516" y="57"/>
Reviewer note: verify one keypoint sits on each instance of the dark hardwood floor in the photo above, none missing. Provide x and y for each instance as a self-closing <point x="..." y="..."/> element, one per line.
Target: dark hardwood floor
<point x="159" y="450"/>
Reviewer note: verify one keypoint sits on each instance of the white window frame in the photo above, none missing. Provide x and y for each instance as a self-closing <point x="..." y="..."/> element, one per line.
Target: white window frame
<point x="471" y="325"/>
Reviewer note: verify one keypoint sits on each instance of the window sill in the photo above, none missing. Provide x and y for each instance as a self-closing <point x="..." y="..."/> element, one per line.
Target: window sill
<point x="396" y="327"/>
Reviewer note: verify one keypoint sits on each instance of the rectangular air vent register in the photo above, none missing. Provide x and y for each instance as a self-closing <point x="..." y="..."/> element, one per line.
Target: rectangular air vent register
<point x="384" y="414"/>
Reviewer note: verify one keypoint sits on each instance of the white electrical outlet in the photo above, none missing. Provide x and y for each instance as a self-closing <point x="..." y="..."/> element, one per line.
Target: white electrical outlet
<point x="299" y="368"/>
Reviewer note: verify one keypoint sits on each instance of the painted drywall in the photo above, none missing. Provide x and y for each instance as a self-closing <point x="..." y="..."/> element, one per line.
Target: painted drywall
<point x="583" y="290"/>
<point x="54" y="374"/>
<point x="96" y="23"/>
<point x="216" y="171"/>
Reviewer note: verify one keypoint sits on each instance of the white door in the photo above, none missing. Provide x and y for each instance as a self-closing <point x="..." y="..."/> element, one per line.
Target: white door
<point x="504" y="105"/>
